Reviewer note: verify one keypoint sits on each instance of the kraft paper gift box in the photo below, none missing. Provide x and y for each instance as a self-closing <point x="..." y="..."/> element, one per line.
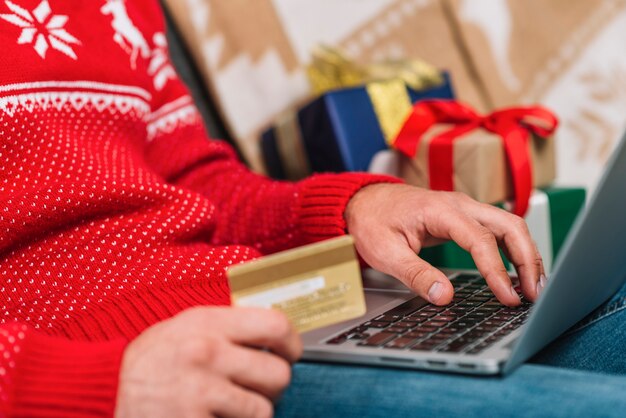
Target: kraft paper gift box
<point x="492" y="158"/>
<point x="550" y="218"/>
<point x="338" y="131"/>
<point x="480" y="165"/>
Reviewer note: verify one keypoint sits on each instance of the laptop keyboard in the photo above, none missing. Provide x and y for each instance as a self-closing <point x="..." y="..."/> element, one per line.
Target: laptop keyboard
<point x="473" y="322"/>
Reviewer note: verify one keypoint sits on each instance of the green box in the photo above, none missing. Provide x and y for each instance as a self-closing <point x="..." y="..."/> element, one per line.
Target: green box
<point x="565" y="204"/>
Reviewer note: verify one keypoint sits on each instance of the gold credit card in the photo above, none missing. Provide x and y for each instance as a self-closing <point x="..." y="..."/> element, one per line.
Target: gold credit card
<point x="315" y="285"/>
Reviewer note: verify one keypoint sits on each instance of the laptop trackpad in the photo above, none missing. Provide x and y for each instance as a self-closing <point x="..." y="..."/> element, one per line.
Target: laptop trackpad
<point x="377" y="302"/>
<point x="373" y="279"/>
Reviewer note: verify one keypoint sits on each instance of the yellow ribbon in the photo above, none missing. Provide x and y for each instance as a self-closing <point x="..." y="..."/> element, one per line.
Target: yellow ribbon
<point x="385" y="83"/>
<point x="330" y="69"/>
<point x="391" y="104"/>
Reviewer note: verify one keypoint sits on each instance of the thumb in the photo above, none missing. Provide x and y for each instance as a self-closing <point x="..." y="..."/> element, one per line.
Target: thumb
<point x="427" y="281"/>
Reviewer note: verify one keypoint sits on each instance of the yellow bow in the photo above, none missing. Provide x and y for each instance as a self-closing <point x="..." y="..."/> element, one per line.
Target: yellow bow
<point x="331" y="69"/>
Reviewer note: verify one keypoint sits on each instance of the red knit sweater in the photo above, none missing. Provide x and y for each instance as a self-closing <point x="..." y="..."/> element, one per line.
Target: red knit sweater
<point x="117" y="211"/>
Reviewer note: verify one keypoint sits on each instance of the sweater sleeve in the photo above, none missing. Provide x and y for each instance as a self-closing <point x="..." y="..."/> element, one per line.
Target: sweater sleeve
<point x="254" y="210"/>
<point x="42" y="376"/>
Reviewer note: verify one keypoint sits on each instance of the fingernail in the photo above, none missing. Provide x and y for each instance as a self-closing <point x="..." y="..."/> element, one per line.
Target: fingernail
<point x="435" y="291"/>
<point x="540" y="284"/>
<point x="514" y="293"/>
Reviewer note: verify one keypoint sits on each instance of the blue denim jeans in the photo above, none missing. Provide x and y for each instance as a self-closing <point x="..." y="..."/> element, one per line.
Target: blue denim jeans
<point x="582" y="374"/>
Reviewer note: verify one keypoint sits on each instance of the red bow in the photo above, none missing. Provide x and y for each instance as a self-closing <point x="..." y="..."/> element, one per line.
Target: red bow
<point x="513" y="125"/>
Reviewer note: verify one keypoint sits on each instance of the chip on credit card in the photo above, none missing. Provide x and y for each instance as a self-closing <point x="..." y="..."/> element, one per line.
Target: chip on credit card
<point x="315" y="285"/>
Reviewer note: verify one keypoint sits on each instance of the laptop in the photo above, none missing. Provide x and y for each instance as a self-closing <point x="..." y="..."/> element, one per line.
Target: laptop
<point x="475" y="334"/>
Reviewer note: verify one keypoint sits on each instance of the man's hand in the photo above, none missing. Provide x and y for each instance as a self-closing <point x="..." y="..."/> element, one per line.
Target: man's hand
<point x="206" y="362"/>
<point x="391" y="223"/>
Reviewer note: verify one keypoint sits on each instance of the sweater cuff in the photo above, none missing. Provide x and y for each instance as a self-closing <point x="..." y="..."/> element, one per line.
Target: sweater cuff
<point x="324" y="198"/>
<point x="59" y="377"/>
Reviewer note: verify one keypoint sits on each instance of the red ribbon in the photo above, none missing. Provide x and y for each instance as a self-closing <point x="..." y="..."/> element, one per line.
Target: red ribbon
<point x="513" y="125"/>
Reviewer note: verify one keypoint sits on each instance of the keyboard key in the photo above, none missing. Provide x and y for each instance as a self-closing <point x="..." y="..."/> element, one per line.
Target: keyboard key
<point x="404" y="324"/>
<point x="416" y="334"/>
<point x="417" y="320"/>
<point x="511" y="311"/>
<point x="479" y="298"/>
<point x="453" y="329"/>
<point x="377" y="324"/>
<point x="493" y="338"/>
<point x="424" y="346"/>
<point x="467" y="305"/>
<point x="358" y="336"/>
<point x="337" y="340"/>
<point x="483" y="328"/>
<point x="359" y="329"/>
<point x="455" y="346"/>
<point x="479" y="315"/>
<point x="476" y="334"/>
<point x="407" y="307"/>
<point x="388" y="318"/>
<point x="422" y="314"/>
<point x="491" y="309"/>
<point x="378" y="339"/>
<point x="446" y="332"/>
<point x="459" y="311"/>
<point x="500" y="317"/>
<point x="465" y="323"/>
<point x="425" y="328"/>
<point x="480" y="347"/>
<point x="438" y="337"/>
<point x="435" y="323"/>
<point x="402" y="342"/>
<point x="397" y="330"/>
<point x="435" y="309"/>
<point x="466" y="278"/>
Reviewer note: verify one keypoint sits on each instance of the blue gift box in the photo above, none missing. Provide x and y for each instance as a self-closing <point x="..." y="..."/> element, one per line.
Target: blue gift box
<point x="339" y="130"/>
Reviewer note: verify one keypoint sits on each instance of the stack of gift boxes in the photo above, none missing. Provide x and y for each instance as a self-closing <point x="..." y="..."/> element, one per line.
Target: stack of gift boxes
<point x="401" y="118"/>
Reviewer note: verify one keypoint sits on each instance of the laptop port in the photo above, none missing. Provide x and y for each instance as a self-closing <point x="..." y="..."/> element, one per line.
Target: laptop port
<point x="467" y="366"/>
<point x="397" y="360"/>
<point x="436" y="363"/>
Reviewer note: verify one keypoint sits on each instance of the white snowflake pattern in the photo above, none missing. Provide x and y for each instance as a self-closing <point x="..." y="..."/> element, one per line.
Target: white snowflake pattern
<point x="41" y="28"/>
<point x="160" y="67"/>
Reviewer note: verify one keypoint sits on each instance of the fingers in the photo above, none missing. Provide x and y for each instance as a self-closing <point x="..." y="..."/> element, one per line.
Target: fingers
<point x="256" y="327"/>
<point x="400" y="261"/>
<point x="512" y="232"/>
<point x="232" y="401"/>
<point x="259" y="371"/>
<point x="481" y="243"/>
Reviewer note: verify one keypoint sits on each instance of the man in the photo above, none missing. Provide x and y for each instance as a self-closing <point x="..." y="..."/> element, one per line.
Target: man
<point x="119" y="218"/>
